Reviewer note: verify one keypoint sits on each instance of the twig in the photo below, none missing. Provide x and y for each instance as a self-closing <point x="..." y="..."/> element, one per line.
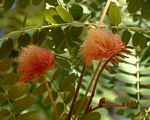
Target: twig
<point x="88" y="89"/>
<point x="76" y="93"/>
<point x="104" y="12"/>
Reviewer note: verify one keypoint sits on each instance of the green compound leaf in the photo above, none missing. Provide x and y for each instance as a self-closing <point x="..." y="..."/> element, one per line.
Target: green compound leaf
<point x="64" y="14"/>
<point x="29" y="116"/>
<point x="134" y="5"/>
<point x="92" y="116"/>
<point x="23" y="3"/>
<point x="5" y="64"/>
<point x="19" y="90"/>
<point x="36" y="2"/>
<point x="6" y="48"/>
<point x="76" y="11"/>
<point x="114" y="15"/>
<point x="22" y="104"/>
<point x="126" y="37"/>
<point x="51" y="15"/>
<point x="145" y="10"/>
<point x="4" y="113"/>
<point x="8" y="4"/>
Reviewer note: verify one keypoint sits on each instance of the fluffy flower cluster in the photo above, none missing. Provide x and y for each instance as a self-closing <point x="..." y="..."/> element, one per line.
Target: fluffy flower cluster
<point x="34" y="61"/>
<point x="101" y="45"/>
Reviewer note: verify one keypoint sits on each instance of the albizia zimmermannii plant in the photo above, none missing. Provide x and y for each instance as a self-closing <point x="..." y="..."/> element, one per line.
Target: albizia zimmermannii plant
<point x="101" y="45"/>
<point x="34" y="61"/>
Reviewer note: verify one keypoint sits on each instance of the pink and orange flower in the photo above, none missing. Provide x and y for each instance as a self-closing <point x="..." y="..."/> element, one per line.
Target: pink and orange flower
<point x="34" y="61"/>
<point x="101" y="45"/>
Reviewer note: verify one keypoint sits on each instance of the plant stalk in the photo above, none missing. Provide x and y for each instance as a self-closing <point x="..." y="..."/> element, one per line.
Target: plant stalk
<point x="76" y="93"/>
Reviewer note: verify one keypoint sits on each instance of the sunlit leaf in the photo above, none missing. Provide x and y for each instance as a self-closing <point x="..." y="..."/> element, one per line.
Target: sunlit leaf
<point x="92" y="116"/>
<point x="145" y="91"/>
<point x="22" y="104"/>
<point x="64" y="14"/>
<point x="18" y="90"/>
<point x="126" y="78"/>
<point x="114" y="14"/>
<point x="28" y="116"/>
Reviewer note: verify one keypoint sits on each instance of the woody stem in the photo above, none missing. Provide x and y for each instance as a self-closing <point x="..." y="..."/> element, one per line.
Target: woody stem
<point x="76" y="93"/>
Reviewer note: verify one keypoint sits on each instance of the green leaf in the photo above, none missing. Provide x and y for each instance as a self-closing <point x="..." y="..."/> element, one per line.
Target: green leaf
<point x="28" y="116"/>
<point x="145" y="102"/>
<point x="19" y="90"/>
<point x="58" y="38"/>
<point x="5" y="64"/>
<point x="145" y="70"/>
<point x="36" y="2"/>
<point x="114" y="15"/>
<point x="23" y="3"/>
<point x="64" y="14"/>
<point x="8" y="4"/>
<point x="66" y="1"/>
<point x="145" y="80"/>
<point x="76" y="11"/>
<point x="136" y="39"/>
<point x="125" y="67"/>
<point x="51" y="15"/>
<point x="78" y="0"/>
<point x="47" y="100"/>
<point x="40" y="89"/>
<point x="145" y="10"/>
<point x="134" y="5"/>
<point x="4" y="113"/>
<point x="9" y="79"/>
<point x="24" y="40"/>
<point x="92" y="116"/>
<point x="39" y="37"/>
<point x="126" y="37"/>
<point x="130" y="79"/>
<point x="52" y="2"/>
<point x="3" y="99"/>
<point x="60" y="108"/>
<point x="77" y="24"/>
<point x="6" y="48"/>
<point x="65" y="84"/>
<point x="22" y="104"/>
<point x="129" y="90"/>
<point x="145" y="91"/>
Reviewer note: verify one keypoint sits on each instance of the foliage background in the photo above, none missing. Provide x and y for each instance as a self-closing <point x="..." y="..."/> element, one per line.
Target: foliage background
<point x="60" y="25"/>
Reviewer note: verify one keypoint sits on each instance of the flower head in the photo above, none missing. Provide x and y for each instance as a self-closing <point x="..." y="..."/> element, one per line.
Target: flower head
<point x="34" y="61"/>
<point x="101" y="45"/>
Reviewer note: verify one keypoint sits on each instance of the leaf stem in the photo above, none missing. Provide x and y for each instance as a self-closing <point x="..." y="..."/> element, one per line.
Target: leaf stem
<point x="88" y="89"/>
<point x="138" y="81"/>
<point x="76" y="93"/>
<point x="51" y="99"/>
<point x="95" y="85"/>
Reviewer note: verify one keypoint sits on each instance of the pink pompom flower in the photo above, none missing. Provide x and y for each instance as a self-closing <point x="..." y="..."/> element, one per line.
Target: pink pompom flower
<point x="101" y="45"/>
<point x="34" y="61"/>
